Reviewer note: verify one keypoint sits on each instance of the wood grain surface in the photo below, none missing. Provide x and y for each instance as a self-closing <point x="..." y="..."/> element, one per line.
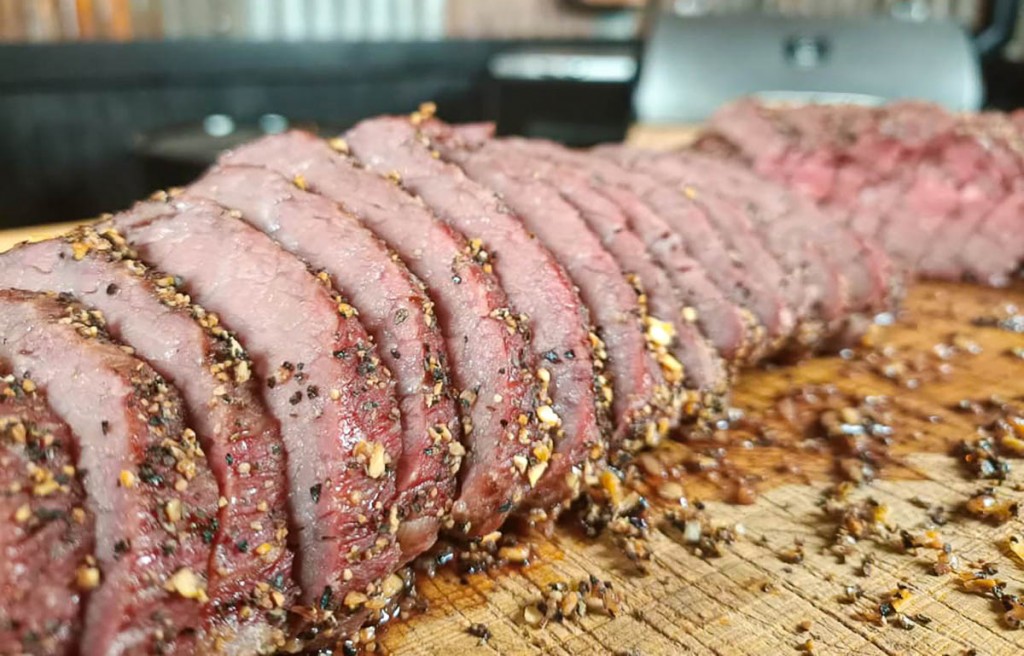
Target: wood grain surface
<point x="749" y="601"/>
<point x="11" y="237"/>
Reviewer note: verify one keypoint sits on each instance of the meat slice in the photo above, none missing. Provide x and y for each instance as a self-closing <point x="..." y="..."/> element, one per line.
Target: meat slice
<point x="731" y="329"/>
<point x="489" y="358"/>
<point x="646" y="379"/>
<point x="705" y="373"/>
<point x="144" y="309"/>
<point x="394" y="307"/>
<point x="731" y="264"/>
<point x="808" y="157"/>
<point x="322" y="380"/>
<point x="789" y="310"/>
<point x="802" y="148"/>
<point x="966" y="168"/>
<point x="815" y="286"/>
<point x="745" y="131"/>
<point x="735" y="229"/>
<point x="786" y="262"/>
<point x="919" y="179"/>
<point x="983" y="241"/>
<point x="943" y="181"/>
<point x="537" y="285"/>
<point x="46" y="535"/>
<point x="735" y="332"/>
<point x="864" y="274"/>
<point x="991" y="252"/>
<point x="144" y="474"/>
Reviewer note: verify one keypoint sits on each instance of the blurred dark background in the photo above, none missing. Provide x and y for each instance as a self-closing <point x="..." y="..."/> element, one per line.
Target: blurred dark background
<point x="103" y="101"/>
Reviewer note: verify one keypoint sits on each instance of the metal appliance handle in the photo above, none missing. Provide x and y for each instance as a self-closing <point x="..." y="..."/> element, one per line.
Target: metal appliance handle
<point x="991" y="39"/>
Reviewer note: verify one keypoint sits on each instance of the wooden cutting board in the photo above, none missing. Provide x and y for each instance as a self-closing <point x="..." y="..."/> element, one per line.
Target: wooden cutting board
<point x="749" y="601"/>
<point x="11" y="237"/>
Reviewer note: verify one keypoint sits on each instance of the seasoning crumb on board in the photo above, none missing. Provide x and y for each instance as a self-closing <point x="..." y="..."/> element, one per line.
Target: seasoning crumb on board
<point x="571" y="601"/>
<point x="479" y="631"/>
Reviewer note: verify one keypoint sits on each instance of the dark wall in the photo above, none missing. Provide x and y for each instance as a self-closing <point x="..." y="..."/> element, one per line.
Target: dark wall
<point x="74" y="119"/>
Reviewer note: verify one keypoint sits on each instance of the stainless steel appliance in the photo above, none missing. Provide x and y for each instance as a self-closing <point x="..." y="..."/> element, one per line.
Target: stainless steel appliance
<point x="694" y="63"/>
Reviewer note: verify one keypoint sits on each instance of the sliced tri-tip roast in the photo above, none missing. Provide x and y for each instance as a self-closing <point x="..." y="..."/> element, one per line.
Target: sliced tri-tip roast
<point x="394" y="307"/>
<point x="781" y="305"/>
<point x="342" y="322"/>
<point x="491" y="364"/>
<point x="982" y="241"/>
<point x="571" y="357"/>
<point x="730" y="328"/>
<point x="932" y="187"/>
<point x="145" y="476"/>
<point x="250" y="576"/>
<point x="47" y="566"/>
<point x="734" y="261"/>
<point x="646" y="379"/>
<point x="783" y="266"/>
<point x="704" y="371"/>
<point x="322" y="380"/>
<point x="867" y="281"/>
<point x="844" y="276"/>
